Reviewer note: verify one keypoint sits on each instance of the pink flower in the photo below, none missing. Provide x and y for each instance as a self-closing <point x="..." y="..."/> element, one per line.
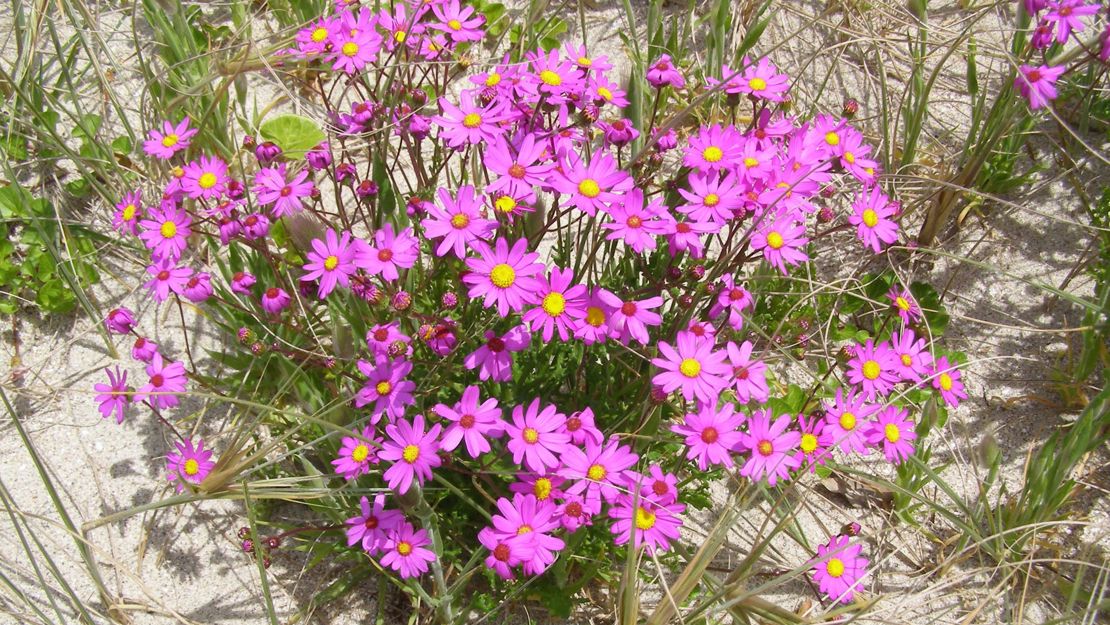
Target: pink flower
<point x="734" y="298"/>
<point x="470" y="122"/>
<point x="471" y="422"/>
<point x="749" y="377"/>
<point x="853" y="158"/>
<point x="536" y="438"/>
<point x="382" y="339"/>
<point x="357" y="454"/>
<point x="504" y="276"/>
<point x="845" y="421"/>
<point x="894" y="432"/>
<point x="330" y="261"/>
<point x="662" y="72"/>
<point x="459" y="223"/>
<point x="167" y="278"/>
<point x="581" y="428"/>
<point x="519" y="174"/>
<point x="687" y="238"/>
<point x="946" y="379"/>
<point x="1066" y="14"/>
<point x="144" y="349"/>
<point x="353" y="49"/>
<point x="592" y="186"/>
<point x="711" y="434"/>
<point x="166" y="382"/>
<point x="599" y="470"/>
<point x="903" y="302"/>
<point x="655" y="486"/>
<point x="120" y="320"/>
<point x="782" y="240"/>
<point x="505" y="552"/>
<point x="636" y="224"/>
<point x="198" y="288"/>
<point x="813" y="447"/>
<point x="494" y="360"/>
<point x="576" y="512"/>
<point x="560" y="303"/>
<point x="630" y="319"/>
<point x="373" y="526"/>
<point x="114" y="396"/>
<point x="241" y="282"/>
<point x="912" y="357"/>
<point x="460" y="23"/>
<point x="772" y="448"/>
<point x="412" y="452"/>
<point x="386" y="386"/>
<point x="389" y="252"/>
<point x="256" y="226"/>
<point x="205" y="179"/>
<point x="543" y="487"/>
<point x="839" y="570"/>
<point x="593" y="327"/>
<point x="128" y="211"/>
<point x="166" y="232"/>
<point x="274" y="300"/>
<point x="285" y="196"/>
<point x="873" y="368"/>
<point x="171" y="140"/>
<point x="405" y="551"/>
<point x="1038" y="84"/>
<point x="713" y="148"/>
<point x="711" y="197"/>
<point x="762" y="81"/>
<point x="530" y="520"/>
<point x="604" y="92"/>
<point x="189" y="464"/>
<point x="692" y="367"/>
<point x="649" y="524"/>
<point x="871" y="213"/>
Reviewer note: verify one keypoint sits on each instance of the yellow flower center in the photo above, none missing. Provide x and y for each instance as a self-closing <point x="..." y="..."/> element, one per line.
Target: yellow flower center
<point x="530" y="435"/>
<point x="360" y="454"/>
<point x="605" y="93"/>
<point x="129" y="212"/>
<point x="383" y="387"/>
<point x="945" y="381"/>
<point x="472" y="120"/>
<point x="505" y="204"/>
<point x="757" y="84"/>
<point x="848" y="421"/>
<point x="554" y="304"/>
<point x="589" y="188"/>
<point x="550" y="78"/>
<point x="869" y="170"/>
<point x="331" y="262"/>
<point x="902" y="303"/>
<point x="178" y="171"/>
<point x="454" y="25"/>
<point x="690" y="367"/>
<point x="502" y="276"/>
<point x="523" y="529"/>
<point x="832" y="138"/>
<point x="460" y="221"/>
<point x="765" y="448"/>
<point x="410" y="453"/>
<point x="542" y="488"/>
<point x="585" y="61"/>
<point x="712" y="154"/>
<point x="168" y="230"/>
<point x="596" y="473"/>
<point x="849" y="157"/>
<point x="712" y="199"/>
<point x="400" y="36"/>
<point x="906" y="360"/>
<point x="349" y="49"/>
<point x="169" y="140"/>
<point x="319" y="35"/>
<point x="595" y="316"/>
<point x="835" y="567"/>
<point x="871" y="370"/>
<point x="404" y="548"/>
<point x="192" y="467"/>
<point x="892" y="433"/>
<point x="645" y="519"/>
<point x="774" y="240"/>
<point x="207" y="180"/>
<point x="870" y="218"/>
<point x="493" y="79"/>
<point x="809" y="443"/>
<point x="750" y="162"/>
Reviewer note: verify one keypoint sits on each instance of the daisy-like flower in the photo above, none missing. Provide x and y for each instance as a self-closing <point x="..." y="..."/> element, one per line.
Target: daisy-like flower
<point x="167" y="278"/>
<point x="945" y="378"/>
<point x="649" y="524"/>
<point x="372" y="527"/>
<point x="711" y="434"/>
<point x="687" y="238"/>
<point x="630" y="319"/>
<point x="713" y="148"/>
<point x="382" y="338"/>
<point x="1038" y="84"/>
<point x="782" y="240"/>
<point x="460" y="23"/>
<point x="599" y="471"/>
<point x="636" y="224"/>
<point x="386" y="386"/>
<point x="536" y="438"/>
<point x="543" y="487"/>
<point x="873" y="369"/>
<point x="470" y="122"/>
<point x="839" y="570"/>
<point x="128" y="211"/>
<point x="405" y="551"/>
<point x="166" y="382"/>
<point x="575" y="512"/>
<point x="274" y="300"/>
<point x="813" y="447"/>
<point x="734" y="298"/>
<point x="854" y="160"/>
<point x="189" y="464"/>
<point x="581" y="428"/>
<point x="120" y="320"/>
<point x="330" y="261"/>
<point x="205" y="179"/>
<point x="912" y="357"/>
<point x="198" y="288"/>
<point x="1067" y="15"/>
<point x="286" y="197"/>
<point x="693" y="368"/>
<point x="560" y="302"/>
<point x="114" y="396"/>
<point x="388" y="253"/>
<point x="144" y="349"/>
<point x="593" y="327"/>
<point x="749" y="377"/>
<point x="605" y="92"/>
<point x="518" y="174"/>
<point x="504" y="276"/>
<point x="592" y="186"/>
<point x="171" y="140"/>
<point x="353" y="50"/>
<point x="412" y="452"/>
<point x="904" y="303"/>
<point x="494" y="360"/>
<point x="315" y="38"/>
<point x="166" y="232"/>
<point x="530" y="520"/>
<point x="764" y="82"/>
<point x="458" y="223"/>
<point x="772" y="447"/>
<point x="711" y="197"/>
<point x="471" y="423"/>
<point x="893" y="432"/>
<point x="662" y="72"/>
<point x="655" y="485"/>
<point x="846" y="421"/>
<point x="505" y="552"/>
<point x="555" y="77"/>
<point x="871" y="214"/>
<point x="357" y="454"/>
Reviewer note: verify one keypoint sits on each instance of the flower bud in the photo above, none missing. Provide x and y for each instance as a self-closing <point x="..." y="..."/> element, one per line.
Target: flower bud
<point x="851" y="107"/>
<point x="267" y="152"/>
<point x="248" y="545"/>
<point x="244" y="533"/>
<point x="825" y="215"/>
<point x="851" y="529"/>
<point x="248" y="142"/>
<point x="449" y="300"/>
<point x="401" y="301"/>
<point x="245" y="335"/>
<point x="367" y="189"/>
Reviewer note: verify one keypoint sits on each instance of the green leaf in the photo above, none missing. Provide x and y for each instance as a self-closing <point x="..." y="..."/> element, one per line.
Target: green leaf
<point x="931" y="307"/>
<point x="294" y="134"/>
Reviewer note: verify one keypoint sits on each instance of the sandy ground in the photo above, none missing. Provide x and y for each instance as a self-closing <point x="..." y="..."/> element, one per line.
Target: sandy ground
<point x="183" y="565"/>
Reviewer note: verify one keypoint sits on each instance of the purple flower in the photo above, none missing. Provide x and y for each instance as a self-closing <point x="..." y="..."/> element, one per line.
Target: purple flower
<point x="412" y="452"/>
<point x="845" y="421"/>
<point x="711" y="434"/>
<point x="560" y="303"/>
<point x="242" y="282"/>
<point x="471" y="422"/>
<point x="839" y="570"/>
<point x="946" y="380"/>
<point x="144" y="349"/>
<point x="459" y="223"/>
<point x="198" y="288"/>
<point x="386" y="386"/>
<point x="166" y="382"/>
<point x="893" y="431"/>
<point x="693" y="368"/>
<point x="529" y="519"/>
<point x="535" y="437"/>
<point x="494" y="360"/>
<point x="357" y="454"/>
<point x="274" y="300"/>
<point x="1038" y="84"/>
<point x="630" y="319"/>
<point x="113" y="397"/>
<point x="168" y="277"/>
<point x="120" y="320"/>
<point x="649" y="524"/>
<point x="874" y="369"/>
<point x="165" y="233"/>
<point x="330" y="262"/>
<point x="171" y="140"/>
<point x="749" y="377"/>
<point x="505" y="552"/>
<point x="405" y="551"/>
<point x="388" y="252"/>
<point x="662" y="72"/>
<point x="599" y="471"/>
<point x="505" y="276"/>
<point x="286" y="196"/>
<point x="372" y="527"/>
<point x="771" y="446"/>
<point x="189" y="464"/>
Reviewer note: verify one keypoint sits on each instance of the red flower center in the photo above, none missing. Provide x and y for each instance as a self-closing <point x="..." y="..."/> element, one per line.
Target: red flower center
<point x="286" y="190"/>
<point x="709" y="435"/>
<point x="163" y="275"/>
<point x="251" y="220"/>
<point x="629" y="309"/>
<point x="573" y="424"/>
<point x="140" y="343"/>
<point x="193" y="282"/>
<point x="371" y="522"/>
<point x="495" y="345"/>
<point x="501" y="552"/>
<point x="1033" y="75"/>
<point x="697" y="330"/>
<point x="618" y="125"/>
<point x="736" y="294"/>
<point x="381" y="334"/>
<point x="573" y="509"/>
<point x="634" y="222"/>
<point x="466" y="421"/>
<point x="271" y="292"/>
<point x="662" y="66"/>
<point x="660" y="487"/>
<point x="517" y="171"/>
<point x="740" y="373"/>
<point x="682" y="227"/>
<point x="385" y="255"/>
<point x="157" y="380"/>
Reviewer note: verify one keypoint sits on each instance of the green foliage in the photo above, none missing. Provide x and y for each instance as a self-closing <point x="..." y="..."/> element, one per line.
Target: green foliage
<point x="294" y="134"/>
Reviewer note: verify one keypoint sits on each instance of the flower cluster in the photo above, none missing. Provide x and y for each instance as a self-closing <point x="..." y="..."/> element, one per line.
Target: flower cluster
<point x="1057" y="21"/>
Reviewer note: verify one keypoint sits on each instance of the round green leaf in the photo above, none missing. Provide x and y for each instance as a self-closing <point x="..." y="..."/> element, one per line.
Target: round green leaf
<point x="294" y="134"/>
